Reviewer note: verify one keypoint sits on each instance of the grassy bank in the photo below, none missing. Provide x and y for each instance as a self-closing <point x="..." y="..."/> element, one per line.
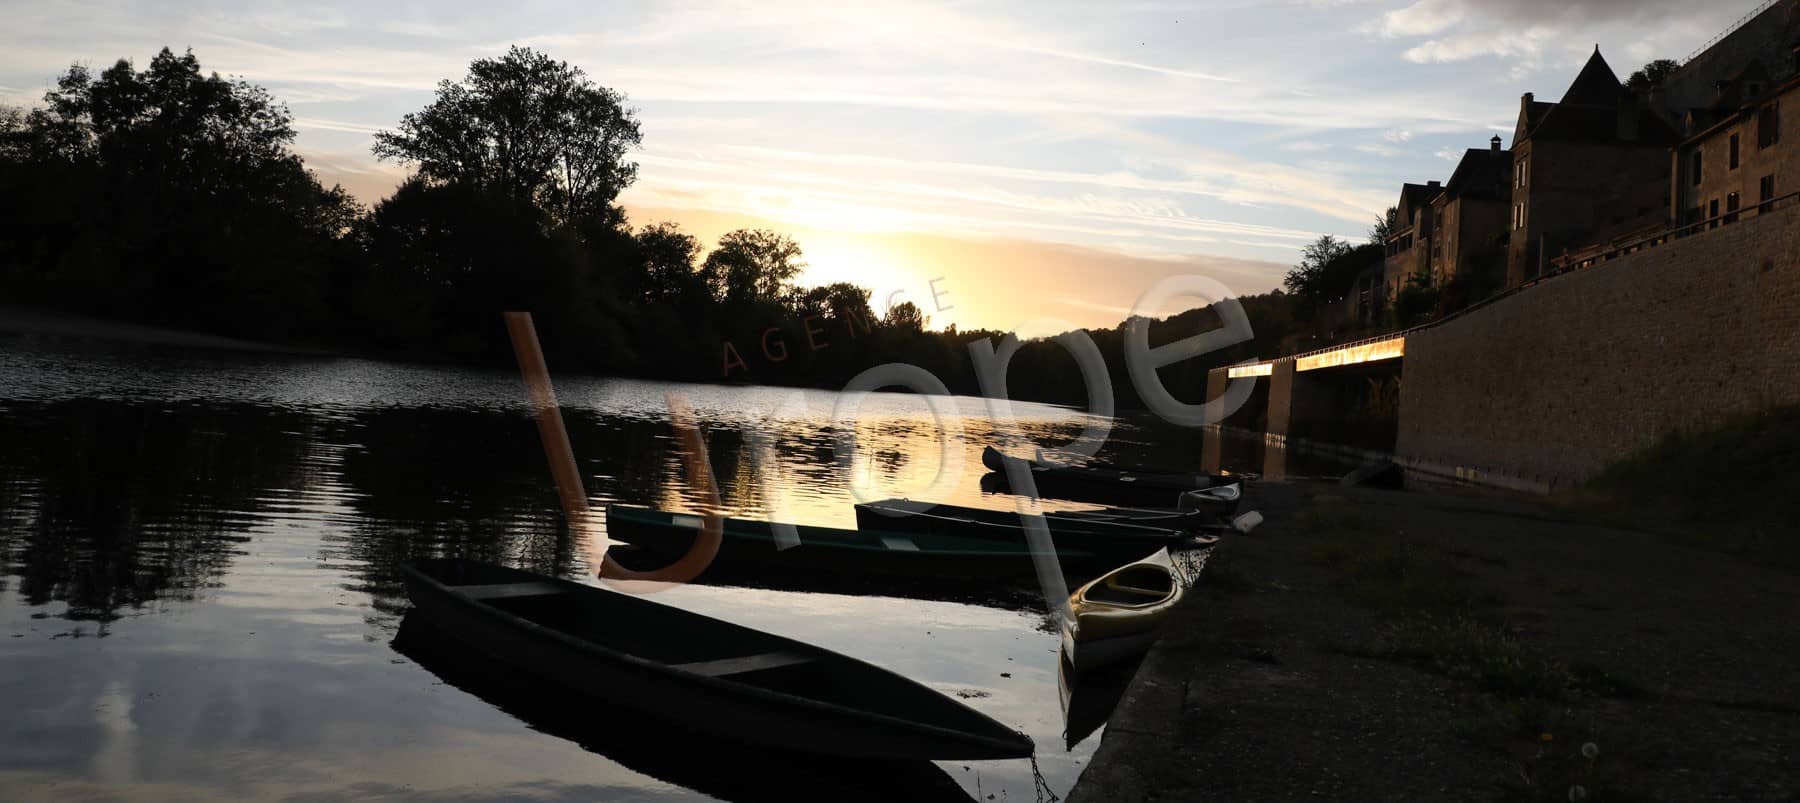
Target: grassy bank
<point x="1436" y="616"/>
<point x="1735" y="489"/>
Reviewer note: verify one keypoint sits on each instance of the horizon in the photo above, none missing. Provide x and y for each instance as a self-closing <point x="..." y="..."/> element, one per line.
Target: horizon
<point x="1111" y="147"/>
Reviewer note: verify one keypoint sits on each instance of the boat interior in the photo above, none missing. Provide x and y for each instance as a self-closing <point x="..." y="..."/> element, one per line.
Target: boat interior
<point x="1133" y="587"/>
<point x="700" y="645"/>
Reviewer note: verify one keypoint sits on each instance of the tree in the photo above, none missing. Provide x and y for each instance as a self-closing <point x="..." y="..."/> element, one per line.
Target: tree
<point x="169" y="194"/>
<point x="669" y="255"/>
<point x="1305" y="276"/>
<point x="1384" y="226"/>
<point x="1651" y="75"/>
<point x="532" y="127"/>
<point x="905" y="316"/>
<point x="752" y="265"/>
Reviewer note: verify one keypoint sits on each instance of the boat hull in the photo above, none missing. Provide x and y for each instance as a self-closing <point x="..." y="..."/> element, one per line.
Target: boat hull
<point x="629" y="685"/>
<point x="921" y="555"/>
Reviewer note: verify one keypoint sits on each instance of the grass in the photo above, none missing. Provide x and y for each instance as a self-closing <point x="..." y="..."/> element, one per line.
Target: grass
<point x="1383" y="569"/>
<point x="1222" y="575"/>
<point x="1735" y="489"/>
<point x="1434" y="617"/>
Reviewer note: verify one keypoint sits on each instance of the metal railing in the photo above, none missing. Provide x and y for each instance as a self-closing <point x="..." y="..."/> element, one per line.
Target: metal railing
<point x="1613" y="249"/>
<point x="1568" y="264"/>
<point x="1729" y="30"/>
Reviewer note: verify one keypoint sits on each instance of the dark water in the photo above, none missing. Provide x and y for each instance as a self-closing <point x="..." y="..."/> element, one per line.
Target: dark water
<point x="199" y="598"/>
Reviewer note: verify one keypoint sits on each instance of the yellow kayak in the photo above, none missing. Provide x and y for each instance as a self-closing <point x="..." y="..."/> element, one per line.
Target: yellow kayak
<point x="1115" y="617"/>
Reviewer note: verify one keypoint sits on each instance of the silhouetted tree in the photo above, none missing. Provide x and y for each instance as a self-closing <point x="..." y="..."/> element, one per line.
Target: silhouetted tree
<point x="167" y="194"/>
<point x="906" y="317"/>
<point x="1384" y="226"/>
<point x="534" y="128"/>
<point x="1304" y="277"/>
<point x="669" y="255"/>
<point x="752" y="265"/>
<point x="1651" y="75"/>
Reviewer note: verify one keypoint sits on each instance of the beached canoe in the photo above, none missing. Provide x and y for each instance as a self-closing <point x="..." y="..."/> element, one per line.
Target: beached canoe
<point x="744" y="543"/>
<point x="1115" y="486"/>
<point x="1115" y="617"/>
<point x="695" y="672"/>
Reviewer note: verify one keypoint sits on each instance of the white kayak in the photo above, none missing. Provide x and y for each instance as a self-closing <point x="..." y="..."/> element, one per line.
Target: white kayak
<point x="1115" y="617"/>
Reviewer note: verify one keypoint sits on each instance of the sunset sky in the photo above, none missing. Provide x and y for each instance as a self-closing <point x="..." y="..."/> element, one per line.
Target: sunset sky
<point x="1046" y="160"/>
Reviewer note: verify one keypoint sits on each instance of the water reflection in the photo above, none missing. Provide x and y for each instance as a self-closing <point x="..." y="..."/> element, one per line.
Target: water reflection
<point x="729" y="771"/>
<point x="232" y="523"/>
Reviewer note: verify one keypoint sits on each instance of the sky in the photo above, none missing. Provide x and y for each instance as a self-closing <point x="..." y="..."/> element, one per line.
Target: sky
<point x="998" y="163"/>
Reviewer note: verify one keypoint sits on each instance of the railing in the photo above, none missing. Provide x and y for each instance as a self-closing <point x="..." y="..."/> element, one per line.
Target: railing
<point x="1568" y="264"/>
<point x="1603" y="252"/>
<point x="1729" y="30"/>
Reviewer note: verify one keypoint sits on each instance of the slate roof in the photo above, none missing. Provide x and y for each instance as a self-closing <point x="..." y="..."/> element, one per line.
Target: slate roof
<point x="1590" y="111"/>
<point x="1482" y="174"/>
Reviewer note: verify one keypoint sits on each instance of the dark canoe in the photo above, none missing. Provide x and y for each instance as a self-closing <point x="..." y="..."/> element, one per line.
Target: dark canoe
<point x="745" y="543"/>
<point x="727" y="770"/>
<point x="1102" y="484"/>
<point x="697" y="673"/>
<point x="1117" y="536"/>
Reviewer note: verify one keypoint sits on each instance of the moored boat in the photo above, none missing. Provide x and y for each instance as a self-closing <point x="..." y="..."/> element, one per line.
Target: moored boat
<point x="698" y="673"/>
<point x="913" y="515"/>
<point x="1003" y="552"/>
<point x="1115" y="617"/>
<point x="1103" y="484"/>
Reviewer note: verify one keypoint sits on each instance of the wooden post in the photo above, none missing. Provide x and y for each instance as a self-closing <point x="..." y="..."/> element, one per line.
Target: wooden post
<point x="573" y="492"/>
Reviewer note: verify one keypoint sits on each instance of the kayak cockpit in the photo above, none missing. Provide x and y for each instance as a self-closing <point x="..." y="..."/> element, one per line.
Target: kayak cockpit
<point x="1133" y="587"/>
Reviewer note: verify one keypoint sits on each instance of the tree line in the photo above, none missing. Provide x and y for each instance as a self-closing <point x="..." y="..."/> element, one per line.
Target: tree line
<point x="172" y="196"/>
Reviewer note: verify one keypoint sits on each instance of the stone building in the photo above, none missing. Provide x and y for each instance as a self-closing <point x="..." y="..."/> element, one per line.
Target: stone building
<point x="1409" y="242"/>
<point x="1736" y="156"/>
<point x="1768" y="38"/>
<point x="1471" y="216"/>
<point x="1587" y="168"/>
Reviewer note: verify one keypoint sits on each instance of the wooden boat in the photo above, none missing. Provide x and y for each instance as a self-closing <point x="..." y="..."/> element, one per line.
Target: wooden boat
<point x="1115" y="534"/>
<point x="914" y="516"/>
<point x="726" y="770"/>
<point x="1116" y="616"/>
<point x="1004" y="553"/>
<point x="698" y="673"/>
<point x="1105" y="485"/>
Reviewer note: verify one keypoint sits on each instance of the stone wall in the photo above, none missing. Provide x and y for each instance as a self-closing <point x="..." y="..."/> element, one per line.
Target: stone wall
<point x="1549" y="386"/>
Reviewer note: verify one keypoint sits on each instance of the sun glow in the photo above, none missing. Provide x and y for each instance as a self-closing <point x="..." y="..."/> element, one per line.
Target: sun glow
<point x="832" y="257"/>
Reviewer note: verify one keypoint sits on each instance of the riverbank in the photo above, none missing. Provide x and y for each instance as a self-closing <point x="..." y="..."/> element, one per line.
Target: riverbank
<point x="20" y="321"/>
<point x="1372" y="645"/>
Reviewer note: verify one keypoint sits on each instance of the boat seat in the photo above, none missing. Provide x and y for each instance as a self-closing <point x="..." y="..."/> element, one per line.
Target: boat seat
<point x="509" y="590"/>
<point x="725" y="667"/>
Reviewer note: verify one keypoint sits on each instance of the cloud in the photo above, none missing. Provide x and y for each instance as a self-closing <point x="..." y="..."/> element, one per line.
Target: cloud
<point x="1538" y="33"/>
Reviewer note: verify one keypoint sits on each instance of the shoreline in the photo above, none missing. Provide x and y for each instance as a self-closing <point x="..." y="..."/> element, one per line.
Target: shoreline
<point x="16" y="321"/>
<point x="1296" y="670"/>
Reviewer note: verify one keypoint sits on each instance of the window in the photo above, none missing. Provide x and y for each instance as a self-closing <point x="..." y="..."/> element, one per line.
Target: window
<point x="1695" y="167"/>
<point x="1768" y="126"/>
<point x="1734" y="151"/>
<point x="1712" y="213"/>
<point x="1731" y="207"/>
<point x="1767" y="192"/>
<point x="1519" y="171"/>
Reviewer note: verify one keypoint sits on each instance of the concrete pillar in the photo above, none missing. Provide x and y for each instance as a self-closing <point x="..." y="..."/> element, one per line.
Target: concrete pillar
<point x="1210" y="449"/>
<point x="1281" y="399"/>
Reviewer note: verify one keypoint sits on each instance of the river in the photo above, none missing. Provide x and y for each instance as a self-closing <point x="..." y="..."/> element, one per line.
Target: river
<point x="199" y="591"/>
